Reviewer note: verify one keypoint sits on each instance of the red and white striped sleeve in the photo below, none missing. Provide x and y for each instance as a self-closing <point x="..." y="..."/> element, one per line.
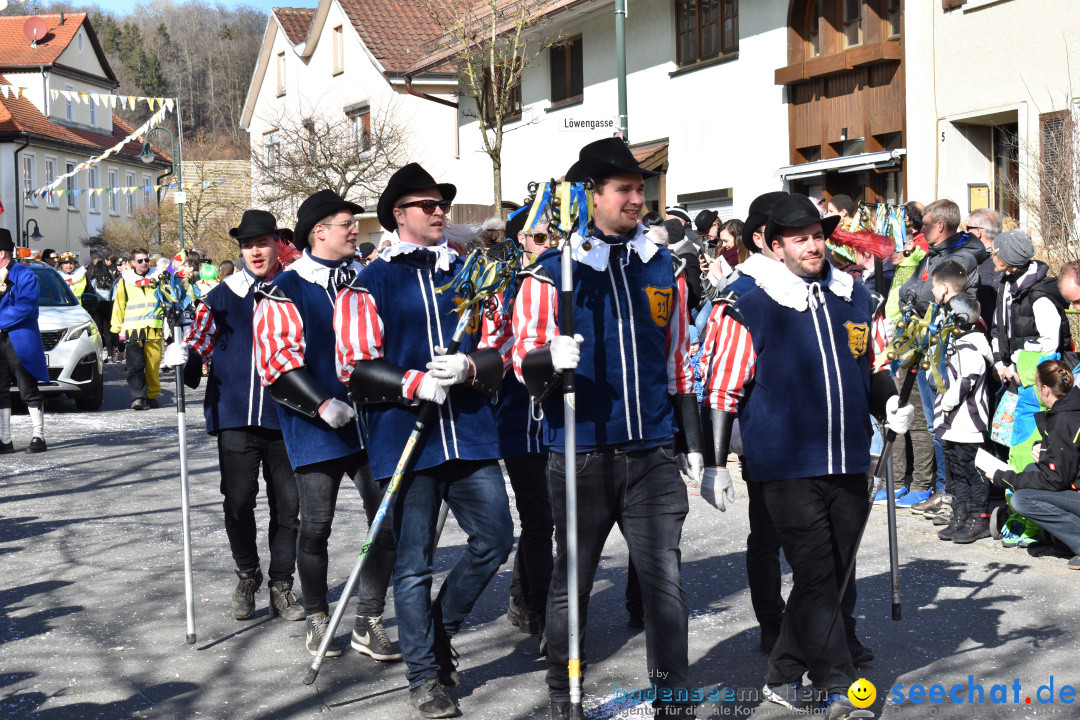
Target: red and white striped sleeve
<point x="200" y="336"/>
<point x="497" y="332"/>
<point x="680" y="374"/>
<point x="727" y="360"/>
<point x="879" y="338"/>
<point x="358" y="332"/>
<point x="536" y="318"/>
<point x="279" y="339"/>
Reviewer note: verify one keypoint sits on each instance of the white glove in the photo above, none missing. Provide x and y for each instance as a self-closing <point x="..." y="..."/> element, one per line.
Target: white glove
<point x="449" y="369"/>
<point x="716" y="487"/>
<point x="898" y="419"/>
<point x="692" y="465"/>
<point x="337" y="413"/>
<point x="176" y="355"/>
<point x="431" y="388"/>
<point x="565" y="351"/>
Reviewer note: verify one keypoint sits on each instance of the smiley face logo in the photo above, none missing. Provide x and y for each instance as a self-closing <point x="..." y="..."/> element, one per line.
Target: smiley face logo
<point x="862" y="693"/>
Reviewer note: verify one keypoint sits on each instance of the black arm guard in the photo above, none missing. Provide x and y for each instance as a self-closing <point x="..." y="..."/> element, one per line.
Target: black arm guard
<point x="717" y="426"/>
<point x="489" y="371"/>
<point x="376" y="381"/>
<point x="688" y="437"/>
<point x="882" y="388"/>
<point x="539" y="373"/>
<point x="297" y="390"/>
<point x="193" y="370"/>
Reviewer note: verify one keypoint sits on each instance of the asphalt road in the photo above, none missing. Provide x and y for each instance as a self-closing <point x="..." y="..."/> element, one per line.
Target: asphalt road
<point x="92" y="612"/>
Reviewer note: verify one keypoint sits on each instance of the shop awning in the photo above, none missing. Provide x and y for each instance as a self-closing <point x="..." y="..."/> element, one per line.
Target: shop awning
<point x="850" y="163"/>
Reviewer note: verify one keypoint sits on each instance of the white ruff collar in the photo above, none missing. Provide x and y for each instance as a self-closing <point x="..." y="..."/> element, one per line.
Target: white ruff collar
<point x="790" y="290"/>
<point x="444" y="254"/>
<point x="79" y="274"/>
<point x="598" y="253"/>
<point x="240" y="282"/>
<point x="315" y="272"/>
<point x="131" y="277"/>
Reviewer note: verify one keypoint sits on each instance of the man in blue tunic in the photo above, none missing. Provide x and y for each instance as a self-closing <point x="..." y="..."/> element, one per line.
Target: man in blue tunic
<point x="390" y="323"/>
<point x="243" y="417"/>
<point x="294" y="352"/>
<point x="22" y="360"/>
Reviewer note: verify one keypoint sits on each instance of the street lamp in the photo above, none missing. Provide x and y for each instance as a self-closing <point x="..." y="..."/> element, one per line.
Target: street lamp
<point x="148" y="156"/>
<point x="27" y="237"/>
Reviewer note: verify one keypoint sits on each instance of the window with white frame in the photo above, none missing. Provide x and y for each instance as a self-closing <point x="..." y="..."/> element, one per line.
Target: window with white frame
<point x="69" y="104"/>
<point x="147" y="192"/>
<point x="339" y="50"/>
<point x="29" y="174"/>
<point x="93" y="181"/>
<point x="72" y="185"/>
<point x="129" y="180"/>
<point x="93" y="113"/>
<point x="281" y="73"/>
<point x="113" y="187"/>
<point x="360" y="129"/>
<point x="50" y="174"/>
<point x="272" y="147"/>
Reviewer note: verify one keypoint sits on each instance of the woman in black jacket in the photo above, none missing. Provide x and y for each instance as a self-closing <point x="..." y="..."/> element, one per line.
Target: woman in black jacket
<point x="1046" y="492"/>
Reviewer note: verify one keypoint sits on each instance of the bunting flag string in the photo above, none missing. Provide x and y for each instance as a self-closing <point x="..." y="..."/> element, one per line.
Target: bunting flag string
<point x="137" y="134"/>
<point x="108" y="100"/>
<point x="10" y="91"/>
<point x="143" y="188"/>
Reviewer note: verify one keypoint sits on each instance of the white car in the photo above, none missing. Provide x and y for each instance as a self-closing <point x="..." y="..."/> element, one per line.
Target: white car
<point x="72" y="343"/>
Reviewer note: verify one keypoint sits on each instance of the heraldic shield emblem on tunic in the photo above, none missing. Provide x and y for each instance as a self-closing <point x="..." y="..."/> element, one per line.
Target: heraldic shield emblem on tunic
<point x="660" y="303"/>
<point x="858" y="334"/>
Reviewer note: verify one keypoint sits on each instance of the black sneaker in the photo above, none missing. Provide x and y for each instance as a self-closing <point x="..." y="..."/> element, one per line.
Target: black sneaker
<point x="1074" y="562"/>
<point x="152" y="403"/>
<point x="369" y="637"/>
<point x="243" y="597"/>
<point x="283" y="601"/>
<point x="519" y="616"/>
<point x="431" y="700"/>
<point x="37" y="445"/>
<point x="317" y="625"/>
<point x="560" y="710"/>
<point x="837" y="707"/>
<point x="7" y="448"/>
<point x="447" y="658"/>
<point x="138" y="404"/>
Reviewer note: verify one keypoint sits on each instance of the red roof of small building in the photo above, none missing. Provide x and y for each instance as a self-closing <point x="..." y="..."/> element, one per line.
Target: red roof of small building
<point x="295" y="22"/>
<point x="15" y="48"/>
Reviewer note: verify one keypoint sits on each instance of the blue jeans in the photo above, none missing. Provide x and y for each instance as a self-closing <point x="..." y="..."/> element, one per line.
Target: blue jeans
<point x="476" y="494"/>
<point x="927" y="392"/>
<point x="1056" y="511"/>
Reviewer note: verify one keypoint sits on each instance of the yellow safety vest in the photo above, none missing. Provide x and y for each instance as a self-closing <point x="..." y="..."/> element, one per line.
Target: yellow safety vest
<point x="134" y="307"/>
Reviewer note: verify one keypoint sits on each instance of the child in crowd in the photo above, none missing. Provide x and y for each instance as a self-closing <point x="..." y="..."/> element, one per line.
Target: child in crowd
<point x="961" y="412"/>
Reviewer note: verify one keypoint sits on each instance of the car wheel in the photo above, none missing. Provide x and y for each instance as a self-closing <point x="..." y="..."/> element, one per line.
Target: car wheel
<point x="90" y="397"/>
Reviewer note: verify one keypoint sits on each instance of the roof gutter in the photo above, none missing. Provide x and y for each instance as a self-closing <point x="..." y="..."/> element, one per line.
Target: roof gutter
<point x="409" y="89"/>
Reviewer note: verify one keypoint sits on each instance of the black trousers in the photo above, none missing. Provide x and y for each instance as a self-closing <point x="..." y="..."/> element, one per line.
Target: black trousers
<point x="13" y="373"/>
<point x="643" y="490"/>
<point x="318" y="484"/>
<point x="763" y="561"/>
<point x="533" y="560"/>
<point x="137" y="370"/>
<point x="818" y="521"/>
<point x="968" y="486"/>
<point x="241" y="452"/>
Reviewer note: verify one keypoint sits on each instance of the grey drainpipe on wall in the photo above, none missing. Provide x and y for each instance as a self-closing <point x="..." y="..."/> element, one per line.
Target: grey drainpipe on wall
<point x="409" y="89"/>
<point x="18" y="191"/>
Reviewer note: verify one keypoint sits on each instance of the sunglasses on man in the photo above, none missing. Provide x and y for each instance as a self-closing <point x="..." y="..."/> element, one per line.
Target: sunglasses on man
<point x="428" y="206"/>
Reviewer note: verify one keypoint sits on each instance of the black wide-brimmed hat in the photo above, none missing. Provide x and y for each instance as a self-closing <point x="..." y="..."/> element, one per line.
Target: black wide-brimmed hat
<point x="604" y="158"/>
<point x="408" y="179"/>
<point x="704" y="221"/>
<point x="6" y="243"/>
<point x="795" y="211"/>
<point x="321" y="205"/>
<point x="254" y="223"/>
<point x="516" y="222"/>
<point x="758" y="215"/>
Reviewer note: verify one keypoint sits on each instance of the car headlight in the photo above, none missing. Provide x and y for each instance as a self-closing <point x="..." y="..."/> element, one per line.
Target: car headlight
<point x="88" y="329"/>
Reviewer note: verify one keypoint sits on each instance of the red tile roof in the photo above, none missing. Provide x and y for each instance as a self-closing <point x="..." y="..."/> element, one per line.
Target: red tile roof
<point x="397" y="32"/>
<point x="295" y="22"/>
<point x="15" y="48"/>
<point x="18" y="114"/>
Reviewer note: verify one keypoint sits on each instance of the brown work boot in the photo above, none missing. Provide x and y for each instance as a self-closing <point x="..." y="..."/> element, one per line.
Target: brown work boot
<point x="930" y="504"/>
